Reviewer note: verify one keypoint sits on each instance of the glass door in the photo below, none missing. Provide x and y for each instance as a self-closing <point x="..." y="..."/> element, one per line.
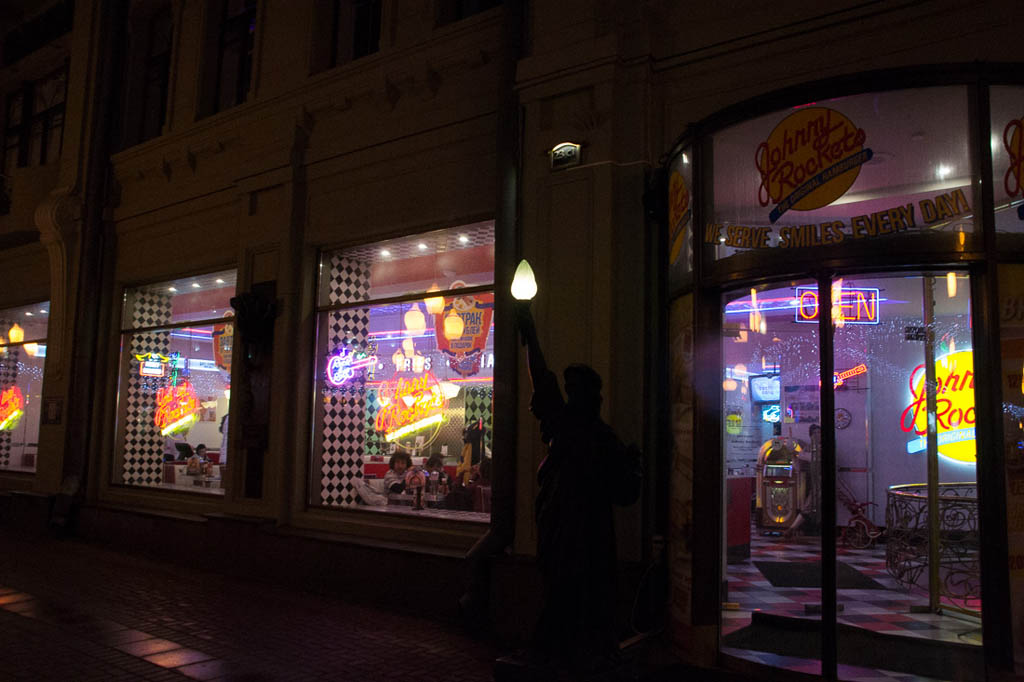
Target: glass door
<point x="771" y="596"/>
<point x="908" y="574"/>
<point x="850" y="535"/>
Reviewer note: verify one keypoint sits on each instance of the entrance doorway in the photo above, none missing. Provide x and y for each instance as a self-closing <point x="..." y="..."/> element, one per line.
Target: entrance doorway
<point x="851" y="516"/>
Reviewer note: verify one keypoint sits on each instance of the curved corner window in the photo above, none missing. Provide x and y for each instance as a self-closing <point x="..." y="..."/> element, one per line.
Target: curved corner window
<point x="680" y="220"/>
<point x="860" y="170"/>
<point x="22" y="356"/>
<point x="1007" y="145"/>
<point x="175" y="384"/>
<point x="404" y="375"/>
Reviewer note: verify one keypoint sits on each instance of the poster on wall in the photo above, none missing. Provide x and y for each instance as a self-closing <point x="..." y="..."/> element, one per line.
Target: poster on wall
<point x="464" y="351"/>
<point x="223" y="337"/>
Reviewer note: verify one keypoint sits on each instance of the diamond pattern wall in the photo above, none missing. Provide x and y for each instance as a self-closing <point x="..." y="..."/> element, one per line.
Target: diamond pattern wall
<point x="344" y="427"/>
<point x="143" y="444"/>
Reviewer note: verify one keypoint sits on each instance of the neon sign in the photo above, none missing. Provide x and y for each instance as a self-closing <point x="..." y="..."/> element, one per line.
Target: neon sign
<point x="177" y="408"/>
<point x="12" y="404"/>
<point x="839" y="378"/>
<point x="771" y="414"/>
<point x="954" y="408"/>
<point x="342" y="365"/>
<point x="409" y="406"/>
<point x="152" y="364"/>
<point x="856" y="305"/>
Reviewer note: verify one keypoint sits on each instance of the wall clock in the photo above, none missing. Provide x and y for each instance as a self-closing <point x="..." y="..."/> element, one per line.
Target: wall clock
<point x="843" y="418"/>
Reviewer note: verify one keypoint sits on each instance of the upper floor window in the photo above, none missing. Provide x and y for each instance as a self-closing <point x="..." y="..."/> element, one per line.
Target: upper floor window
<point x="457" y="10"/>
<point x="231" y="32"/>
<point x="345" y="30"/>
<point x="34" y="123"/>
<point x="148" y="75"/>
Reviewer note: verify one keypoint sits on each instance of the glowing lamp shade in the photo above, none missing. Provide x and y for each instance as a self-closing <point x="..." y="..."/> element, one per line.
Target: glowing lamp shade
<point x="31" y="349"/>
<point x="951" y="285"/>
<point x="16" y="334"/>
<point x="408" y="348"/>
<point x="435" y="304"/>
<point x="399" y="359"/>
<point x="415" y="322"/>
<point x="453" y="326"/>
<point x="524" y="284"/>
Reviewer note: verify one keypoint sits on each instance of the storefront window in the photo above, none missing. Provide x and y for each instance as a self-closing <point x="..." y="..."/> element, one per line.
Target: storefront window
<point x="404" y="375"/>
<point x="1007" y="144"/>
<point x="847" y="171"/>
<point x="22" y="356"/>
<point x="175" y="384"/>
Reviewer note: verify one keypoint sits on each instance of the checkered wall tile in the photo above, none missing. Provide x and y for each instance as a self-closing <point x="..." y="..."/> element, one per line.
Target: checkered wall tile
<point x="143" y="444"/>
<point x="8" y="377"/>
<point x="478" y="406"/>
<point x="344" y="423"/>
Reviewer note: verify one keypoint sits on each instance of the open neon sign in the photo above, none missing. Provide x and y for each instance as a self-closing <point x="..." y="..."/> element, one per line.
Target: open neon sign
<point x="342" y="365"/>
<point x="856" y="305"/>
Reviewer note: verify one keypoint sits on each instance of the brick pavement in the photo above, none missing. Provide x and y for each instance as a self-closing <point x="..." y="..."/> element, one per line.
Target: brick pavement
<point x="74" y="611"/>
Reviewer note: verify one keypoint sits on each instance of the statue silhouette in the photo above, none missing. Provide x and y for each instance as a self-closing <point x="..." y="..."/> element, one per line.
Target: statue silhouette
<point x="587" y="469"/>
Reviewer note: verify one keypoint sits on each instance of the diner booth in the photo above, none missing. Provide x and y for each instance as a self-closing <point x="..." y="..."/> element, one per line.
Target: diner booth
<point x="842" y="253"/>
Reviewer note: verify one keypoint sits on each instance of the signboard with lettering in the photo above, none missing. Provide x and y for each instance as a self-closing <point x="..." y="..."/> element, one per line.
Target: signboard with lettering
<point x="954" y="408"/>
<point x="464" y="353"/>
<point x="809" y="160"/>
<point x="411" y="410"/>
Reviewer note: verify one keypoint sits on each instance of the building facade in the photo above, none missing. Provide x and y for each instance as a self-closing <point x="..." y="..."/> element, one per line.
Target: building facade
<point x="285" y="232"/>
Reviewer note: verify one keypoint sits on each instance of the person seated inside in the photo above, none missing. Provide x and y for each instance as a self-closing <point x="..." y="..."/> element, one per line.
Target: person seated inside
<point x="184" y="451"/>
<point x="201" y="452"/>
<point x="398" y="465"/>
<point x="439" y="481"/>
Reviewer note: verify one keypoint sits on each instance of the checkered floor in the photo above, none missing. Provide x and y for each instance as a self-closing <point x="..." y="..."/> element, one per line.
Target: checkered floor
<point x="892" y="610"/>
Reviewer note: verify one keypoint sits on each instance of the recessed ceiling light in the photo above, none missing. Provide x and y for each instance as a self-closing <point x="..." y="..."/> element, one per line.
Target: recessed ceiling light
<point x="171" y="289"/>
<point x="422" y="246"/>
<point x="943" y="171"/>
<point x="385" y="253"/>
<point x="463" y="239"/>
<point x="195" y="285"/>
<point x="220" y="281"/>
<point x="44" y="311"/>
<point x="28" y="313"/>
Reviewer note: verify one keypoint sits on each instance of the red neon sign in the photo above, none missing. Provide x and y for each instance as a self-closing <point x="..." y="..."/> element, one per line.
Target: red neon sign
<point x="839" y="378"/>
<point x="176" y="408"/>
<point x="12" y="403"/>
<point x="856" y="305"/>
<point x="407" y="405"/>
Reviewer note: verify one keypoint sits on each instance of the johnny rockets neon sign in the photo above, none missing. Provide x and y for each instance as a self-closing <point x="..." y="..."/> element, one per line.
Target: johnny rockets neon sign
<point x="409" y="406"/>
<point x="12" y="404"/>
<point x="857" y="305"/>
<point x="954" y="408"/>
<point x="342" y="365"/>
<point x="177" y="408"/>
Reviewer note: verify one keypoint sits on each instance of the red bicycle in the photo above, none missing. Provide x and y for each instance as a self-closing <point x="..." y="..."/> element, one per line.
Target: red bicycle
<point x="860" y="532"/>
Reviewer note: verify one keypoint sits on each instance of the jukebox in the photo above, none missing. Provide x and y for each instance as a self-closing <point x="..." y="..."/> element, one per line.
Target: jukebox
<point x="781" y="482"/>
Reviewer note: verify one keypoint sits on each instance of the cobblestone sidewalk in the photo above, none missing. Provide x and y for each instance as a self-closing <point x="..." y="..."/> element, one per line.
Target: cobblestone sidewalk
<point x="74" y="611"/>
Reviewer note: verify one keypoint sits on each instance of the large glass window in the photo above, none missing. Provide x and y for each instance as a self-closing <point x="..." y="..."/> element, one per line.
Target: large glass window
<point x="404" y="375"/>
<point x="851" y="170"/>
<point x="175" y="385"/>
<point x="22" y="356"/>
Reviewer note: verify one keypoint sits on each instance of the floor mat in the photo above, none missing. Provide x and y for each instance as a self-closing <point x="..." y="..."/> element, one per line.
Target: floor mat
<point x="808" y="574"/>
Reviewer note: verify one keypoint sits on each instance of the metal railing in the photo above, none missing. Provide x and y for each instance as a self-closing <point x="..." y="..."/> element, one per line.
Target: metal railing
<point x="906" y="553"/>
